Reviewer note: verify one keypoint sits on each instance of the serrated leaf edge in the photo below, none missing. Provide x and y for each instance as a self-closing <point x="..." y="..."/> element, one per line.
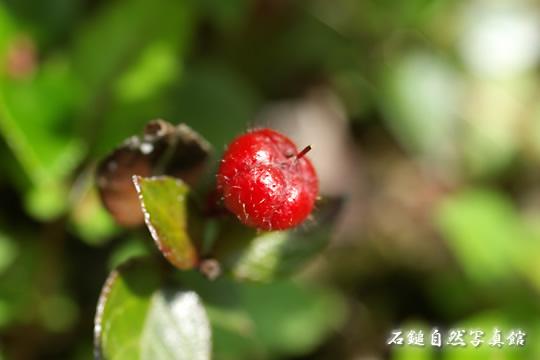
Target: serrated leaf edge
<point x="98" y="319"/>
<point x="153" y="231"/>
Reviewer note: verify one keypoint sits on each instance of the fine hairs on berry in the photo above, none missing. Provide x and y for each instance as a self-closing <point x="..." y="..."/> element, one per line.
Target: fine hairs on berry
<point x="266" y="182"/>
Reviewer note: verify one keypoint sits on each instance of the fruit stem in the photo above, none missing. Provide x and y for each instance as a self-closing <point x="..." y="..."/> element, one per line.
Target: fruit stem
<point x="303" y="152"/>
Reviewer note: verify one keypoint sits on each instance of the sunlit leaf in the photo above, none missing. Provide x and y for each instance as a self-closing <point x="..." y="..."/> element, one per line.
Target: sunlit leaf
<point x="165" y="203"/>
<point x="263" y="257"/>
<point x="140" y="318"/>
<point x="251" y="319"/>
<point x="157" y="67"/>
<point x="485" y="233"/>
<point x="176" y="327"/>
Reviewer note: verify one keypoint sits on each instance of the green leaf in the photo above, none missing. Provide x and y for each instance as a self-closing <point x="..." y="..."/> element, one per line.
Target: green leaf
<point x="37" y="122"/>
<point x="267" y="256"/>
<point x="210" y="91"/>
<point x="140" y="318"/>
<point x="253" y="321"/>
<point x="292" y="318"/>
<point x="421" y="93"/>
<point x="165" y="202"/>
<point x="31" y="112"/>
<point x="131" y="248"/>
<point x="120" y="33"/>
<point x="156" y="68"/>
<point x="485" y="232"/>
<point x="120" y="47"/>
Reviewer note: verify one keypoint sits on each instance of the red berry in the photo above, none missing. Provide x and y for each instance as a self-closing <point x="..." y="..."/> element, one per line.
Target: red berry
<point x="265" y="182"/>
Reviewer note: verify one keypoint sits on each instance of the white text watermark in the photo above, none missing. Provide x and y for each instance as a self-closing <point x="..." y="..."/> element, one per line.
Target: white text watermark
<point x="458" y="337"/>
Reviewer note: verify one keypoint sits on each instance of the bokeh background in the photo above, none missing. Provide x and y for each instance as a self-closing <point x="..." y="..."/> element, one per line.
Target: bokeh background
<point x="425" y="119"/>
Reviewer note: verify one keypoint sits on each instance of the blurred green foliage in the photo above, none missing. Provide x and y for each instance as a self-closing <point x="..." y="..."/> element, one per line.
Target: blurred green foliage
<point x="442" y="201"/>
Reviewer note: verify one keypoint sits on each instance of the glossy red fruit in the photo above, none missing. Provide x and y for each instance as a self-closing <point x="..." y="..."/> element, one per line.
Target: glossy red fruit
<point x="265" y="182"/>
